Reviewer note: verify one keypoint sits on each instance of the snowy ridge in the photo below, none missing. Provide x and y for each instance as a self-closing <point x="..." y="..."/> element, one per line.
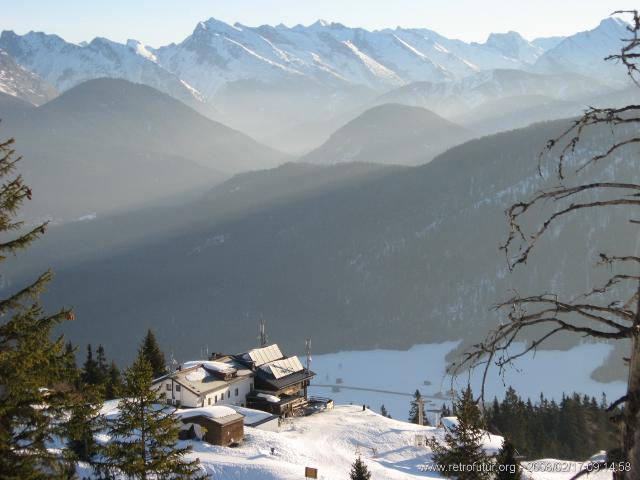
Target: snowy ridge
<point x="19" y="82"/>
<point x="65" y="65"/>
<point x="326" y="52"/>
<point x="217" y="54"/>
<point x="585" y="52"/>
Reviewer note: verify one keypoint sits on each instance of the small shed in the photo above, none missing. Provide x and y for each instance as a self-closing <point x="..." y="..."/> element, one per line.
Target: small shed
<point x="217" y="425"/>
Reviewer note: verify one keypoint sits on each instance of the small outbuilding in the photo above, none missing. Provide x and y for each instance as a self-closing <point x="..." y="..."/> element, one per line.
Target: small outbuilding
<point x="217" y="425"/>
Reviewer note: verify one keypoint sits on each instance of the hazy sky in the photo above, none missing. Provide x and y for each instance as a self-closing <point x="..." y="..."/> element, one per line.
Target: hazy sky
<point x="158" y="22"/>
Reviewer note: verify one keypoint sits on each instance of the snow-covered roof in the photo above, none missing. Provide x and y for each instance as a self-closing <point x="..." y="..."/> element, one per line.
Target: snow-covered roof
<point x="216" y="411"/>
<point x="252" y="416"/>
<point x="212" y="366"/>
<point x="449" y="422"/>
<point x="284" y="367"/>
<point x="260" y="356"/>
<point x="200" y="380"/>
<point x="269" y="398"/>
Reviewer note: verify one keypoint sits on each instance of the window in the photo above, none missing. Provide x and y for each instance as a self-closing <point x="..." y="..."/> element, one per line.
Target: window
<point x="228" y="393"/>
<point x="215" y="399"/>
<point x="177" y="388"/>
<point x="168" y="386"/>
<point x="236" y="392"/>
<point x="209" y="400"/>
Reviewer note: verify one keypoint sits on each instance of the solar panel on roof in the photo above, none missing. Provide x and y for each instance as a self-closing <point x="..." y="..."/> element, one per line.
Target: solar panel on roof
<point x="284" y="367"/>
<point x="260" y="356"/>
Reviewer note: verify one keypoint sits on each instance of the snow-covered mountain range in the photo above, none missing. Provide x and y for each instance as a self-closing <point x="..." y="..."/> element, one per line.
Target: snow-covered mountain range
<point x="217" y="54"/>
<point x="21" y="83"/>
<point x="66" y="65"/>
<point x="272" y="82"/>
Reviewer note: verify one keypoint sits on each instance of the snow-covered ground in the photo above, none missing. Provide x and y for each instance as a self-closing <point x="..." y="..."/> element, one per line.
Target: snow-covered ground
<point x="330" y="441"/>
<point x="423" y="367"/>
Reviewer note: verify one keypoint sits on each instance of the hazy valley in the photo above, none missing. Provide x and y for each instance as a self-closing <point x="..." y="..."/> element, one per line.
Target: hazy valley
<point x="277" y="249"/>
<point x="370" y="243"/>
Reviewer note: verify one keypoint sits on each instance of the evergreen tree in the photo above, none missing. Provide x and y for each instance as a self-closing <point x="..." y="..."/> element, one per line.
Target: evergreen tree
<point x="144" y="436"/>
<point x="507" y="466"/>
<point x="113" y="384"/>
<point x="102" y="367"/>
<point x="90" y="375"/>
<point x="416" y="406"/>
<point x="80" y="429"/>
<point x="83" y="423"/>
<point x="463" y="444"/>
<point x="575" y="428"/>
<point x="33" y="368"/>
<point x="384" y="412"/>
<point x="154" y="355"/>
<point x="359" y="470"/>
<point x="70" y="363"/>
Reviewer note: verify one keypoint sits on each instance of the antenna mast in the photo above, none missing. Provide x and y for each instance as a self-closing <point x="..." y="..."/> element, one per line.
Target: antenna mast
<point x="262" y="330"/>
<point x="307" y="343"/>
<point x="173" y="363"/>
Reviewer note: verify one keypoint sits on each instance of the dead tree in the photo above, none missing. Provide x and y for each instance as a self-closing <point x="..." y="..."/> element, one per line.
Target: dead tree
<point x="610" y="311"/>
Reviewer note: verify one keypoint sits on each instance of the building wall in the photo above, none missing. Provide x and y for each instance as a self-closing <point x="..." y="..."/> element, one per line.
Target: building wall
<point x="217" y="434"/>
<point x="170" y="390"/>
<point x="225" y="395"/>
<point x="271" y="425"/>
<point x="226" y="434"/>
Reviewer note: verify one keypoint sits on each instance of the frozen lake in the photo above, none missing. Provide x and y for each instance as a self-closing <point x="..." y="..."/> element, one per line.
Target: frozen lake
<point x="423" y="367"/>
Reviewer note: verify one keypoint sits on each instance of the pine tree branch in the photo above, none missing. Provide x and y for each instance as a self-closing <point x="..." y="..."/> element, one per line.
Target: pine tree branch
<point x="29" y="292"/>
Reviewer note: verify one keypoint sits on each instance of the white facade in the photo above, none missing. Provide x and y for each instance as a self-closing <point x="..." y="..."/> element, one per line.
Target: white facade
<point x="232" y="392"/>
<point x="235" y="393"/>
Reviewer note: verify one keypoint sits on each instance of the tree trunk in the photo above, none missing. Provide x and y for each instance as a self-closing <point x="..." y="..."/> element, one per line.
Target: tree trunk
<point x="631" y="440"/>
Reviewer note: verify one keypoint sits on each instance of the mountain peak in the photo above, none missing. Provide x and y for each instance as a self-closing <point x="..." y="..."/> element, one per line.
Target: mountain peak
<point x="512" y="45"/>
<point x="615" y="22"/>
<point x="141" y="49"/>
<point x="8" y="34"/>
<point x="501" y="38"/>
<point x="320" y="23"/>
<point x="510" y="34"/>
<point x="215" y="25"/>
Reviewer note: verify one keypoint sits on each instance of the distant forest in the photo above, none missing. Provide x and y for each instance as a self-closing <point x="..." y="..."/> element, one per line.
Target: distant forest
<point x="575" y="428"/>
